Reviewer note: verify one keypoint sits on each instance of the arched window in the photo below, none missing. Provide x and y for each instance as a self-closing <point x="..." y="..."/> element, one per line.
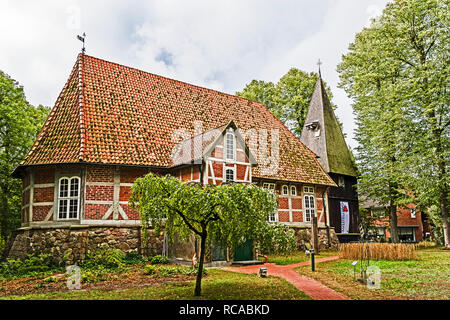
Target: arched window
<point x="293" y="191"/>
<point x="68" y="198"/>
<point x="230" y="146"/>
<point x="229" y="175"/>
<point x="285" y="190"/>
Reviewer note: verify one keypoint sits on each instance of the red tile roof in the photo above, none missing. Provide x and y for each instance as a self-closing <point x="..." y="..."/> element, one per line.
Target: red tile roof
<point x="112" y="114"/>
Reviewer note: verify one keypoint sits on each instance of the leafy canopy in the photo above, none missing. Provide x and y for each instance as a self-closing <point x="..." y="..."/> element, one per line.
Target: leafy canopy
<point x="227" y="213"/>
<point x="288" y="99"/>
<point x="397" y="73"/>
<point x="19" y="125"/>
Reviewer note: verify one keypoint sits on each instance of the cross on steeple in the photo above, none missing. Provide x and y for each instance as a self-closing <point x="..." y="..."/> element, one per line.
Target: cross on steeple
<point x="319" y="63"/>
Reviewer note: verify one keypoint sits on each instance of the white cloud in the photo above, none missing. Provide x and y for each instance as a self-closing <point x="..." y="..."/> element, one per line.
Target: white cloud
<point x="218" y="44"/>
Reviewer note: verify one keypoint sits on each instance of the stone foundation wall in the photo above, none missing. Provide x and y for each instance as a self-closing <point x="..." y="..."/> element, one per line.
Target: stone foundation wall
<point x="303" y="235"/>
<point x="72" y="244"/>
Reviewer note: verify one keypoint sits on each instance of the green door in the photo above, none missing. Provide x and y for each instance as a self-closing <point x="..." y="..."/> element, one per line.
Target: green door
<point x="218" y="253"/>
<point x="244" y="251"/>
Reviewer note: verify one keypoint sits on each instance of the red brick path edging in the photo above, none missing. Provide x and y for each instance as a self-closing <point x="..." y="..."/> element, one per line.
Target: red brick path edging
<point x="311" y="287"/>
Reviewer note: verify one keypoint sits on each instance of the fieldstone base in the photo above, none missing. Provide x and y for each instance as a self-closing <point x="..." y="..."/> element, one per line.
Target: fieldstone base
<point x="72" y="244"/>
<point x="303" y="237"/>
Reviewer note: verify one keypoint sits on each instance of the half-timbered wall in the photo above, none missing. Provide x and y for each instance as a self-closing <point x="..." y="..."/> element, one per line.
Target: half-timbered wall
<point x="216" y="164"/>
<point x="291" y="206"/>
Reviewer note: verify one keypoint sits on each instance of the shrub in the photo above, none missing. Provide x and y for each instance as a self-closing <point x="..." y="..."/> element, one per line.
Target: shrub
<point x="159" y="260"/>
<point x="105" y="257"/>
<point x="133" y="258"/>
<point x="171" y="271"/>
<point x="32" y="264"/>
<point x="2" y="245"/>
<point x="93" y="274"/>
<point x="378" y="251"/>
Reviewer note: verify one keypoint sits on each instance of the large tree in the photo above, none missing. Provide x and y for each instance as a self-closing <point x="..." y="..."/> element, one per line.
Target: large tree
<point x="225" y="214"/>
<point x="288" y="99"/>
<point x="19" y="124"/>
<point x="400" y="66"/>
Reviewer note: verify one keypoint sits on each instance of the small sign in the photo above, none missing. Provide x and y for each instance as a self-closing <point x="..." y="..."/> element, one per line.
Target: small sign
<point x="263" y="272"/>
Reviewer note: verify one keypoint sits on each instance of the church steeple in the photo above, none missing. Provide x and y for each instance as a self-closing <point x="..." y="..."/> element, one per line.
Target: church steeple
<point x="322" y="134"/>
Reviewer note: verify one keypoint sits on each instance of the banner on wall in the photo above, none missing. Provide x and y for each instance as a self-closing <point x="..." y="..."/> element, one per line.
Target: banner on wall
<point x="345" y="217"/>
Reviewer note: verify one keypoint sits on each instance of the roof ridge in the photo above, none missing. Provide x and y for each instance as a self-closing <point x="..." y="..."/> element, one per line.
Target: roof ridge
<point x="209" y="89"/>
<point x="175" y="80"/>
<point x="81" y="105"/>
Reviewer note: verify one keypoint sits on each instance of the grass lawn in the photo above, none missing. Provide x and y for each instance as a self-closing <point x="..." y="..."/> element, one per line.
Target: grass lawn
<point x="296" y="257"/>
<point x="216" y="285"/>
<point x="428" y="277"/>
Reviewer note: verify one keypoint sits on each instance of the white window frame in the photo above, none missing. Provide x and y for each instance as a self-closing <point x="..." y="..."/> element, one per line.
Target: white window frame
<point x="225" y="174"/>
<point x="68" y="198"/>
<point x="287" y="190"/>
<point x="273" y="216"/>
<point x="293" y="188"/>
<point x="227" y="147"/>
<point x="269" y="186"/>
<point x="308" y="211"/>
<point x="413" y="213"/>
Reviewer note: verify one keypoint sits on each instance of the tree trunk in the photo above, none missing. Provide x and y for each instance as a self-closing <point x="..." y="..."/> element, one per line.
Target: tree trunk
<point x="444" y="213"/>
<point x="198" y="283"/>
<point x="393" y="223"/>
<point x="4" y="215"/>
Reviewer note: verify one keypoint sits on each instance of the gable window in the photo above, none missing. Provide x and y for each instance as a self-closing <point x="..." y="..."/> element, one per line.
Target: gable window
<point x="68" y="198"/>
<point x="308" y="190"/>
<point x="341" y="181"/>
<point x="413" y="213"/>
<point x="293" y="191"/>
<point x="309" y="204"/>
<point x="229" y="175"/>
<point x="230" y="146"/>
<point x="285" y="190"/>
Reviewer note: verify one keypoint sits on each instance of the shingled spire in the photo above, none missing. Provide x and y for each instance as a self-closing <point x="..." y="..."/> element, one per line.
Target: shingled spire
<point x="322" y="134"/>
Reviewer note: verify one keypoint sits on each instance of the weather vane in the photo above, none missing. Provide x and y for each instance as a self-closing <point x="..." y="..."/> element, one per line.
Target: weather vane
<point x="81" y="38"/>
<point x="319" y="63"/>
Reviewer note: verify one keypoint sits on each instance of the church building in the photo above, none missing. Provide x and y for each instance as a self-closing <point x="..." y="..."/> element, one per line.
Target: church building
<point x="112" y="124"/>
<point x="323" y="135"/>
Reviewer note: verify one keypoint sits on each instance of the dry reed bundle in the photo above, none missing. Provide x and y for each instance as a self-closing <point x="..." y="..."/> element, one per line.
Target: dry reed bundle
<point x="378" y="251"/>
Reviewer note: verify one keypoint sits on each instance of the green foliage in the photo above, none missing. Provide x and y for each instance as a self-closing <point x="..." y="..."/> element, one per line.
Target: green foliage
<point x="276" y="238"/>
<point x="105" y="257"/>
<point x="288" y="99"/>
<point x="397" y="73"/>
<point x="94" y="273"/>
<point x="133" y="258"/>
<point x="226" y="214"/>
<point x="159" y="260"/>
<point x="171" y="271"/>
<point x="2" y="244"/>
<point x="19" y="125"/>
<point x="32" y="264"/>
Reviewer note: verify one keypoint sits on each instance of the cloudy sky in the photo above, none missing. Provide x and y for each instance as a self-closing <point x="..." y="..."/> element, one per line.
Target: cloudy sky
<point x="216" y="44"/>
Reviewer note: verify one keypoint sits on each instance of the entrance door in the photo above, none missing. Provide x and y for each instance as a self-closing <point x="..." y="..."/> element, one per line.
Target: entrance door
<point x="218" y="253"/>
<point x="244" y="251"/>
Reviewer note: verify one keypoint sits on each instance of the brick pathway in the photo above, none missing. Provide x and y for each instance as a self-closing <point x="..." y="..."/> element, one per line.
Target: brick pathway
<point x="311" y="287"/>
